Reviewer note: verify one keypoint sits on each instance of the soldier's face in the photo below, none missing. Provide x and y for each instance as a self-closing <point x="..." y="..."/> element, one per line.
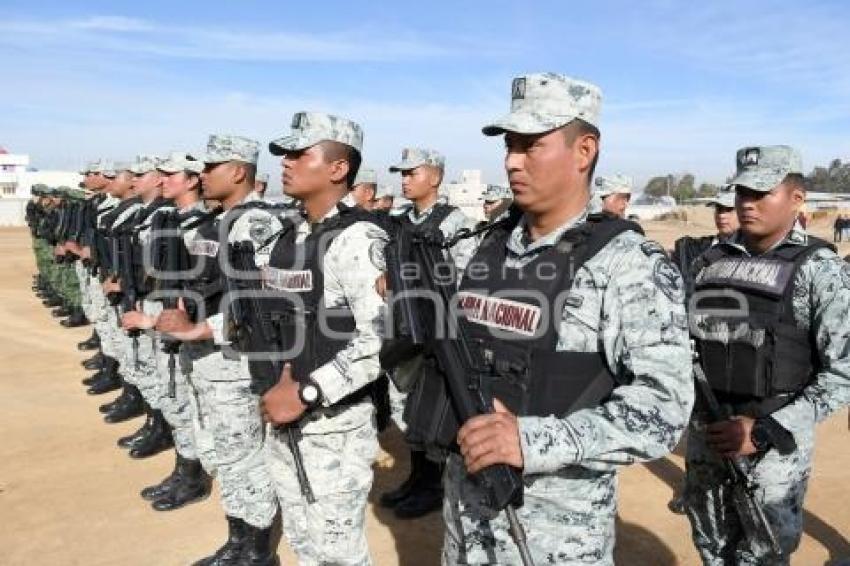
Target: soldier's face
<point x="384" y="203"/>
<point x="305" y="172"/>
<point x="490" y="206"/>
<point x="725" y="220"/>
<point x="616" y="204"/>
<point x="419" y="182"/>
<point x="767" y="214"/>
<point x="121" y="185"/>
<point x="544" y="170"/>
<point x="147" y="184"/>
<point x="177" y="184"/>
<point x="98" y="181"/>
<point x="219" y="179"/>
<point x="363" y="194"/>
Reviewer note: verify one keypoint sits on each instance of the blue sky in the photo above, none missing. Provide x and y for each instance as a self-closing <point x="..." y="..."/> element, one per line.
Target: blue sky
<point x="684" y="84"/>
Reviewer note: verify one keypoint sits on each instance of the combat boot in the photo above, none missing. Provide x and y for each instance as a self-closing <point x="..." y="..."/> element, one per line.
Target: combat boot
<point x="229" y="554"/>
<point x="77" y="318"/>
<point x="426" y="493"/>
<point x="109" y="379"/>
<point x="132" y="440"/>
<point x="257" y="548"/>
<point x="190" y="484"/>
<point x="158" y="439"/>
<point x="52" y="300"/>
<point x="94" y="362"/>
<point x="112" y="405"/>
<point x="90" y="343"/>
<point x="131" y="407"/>
<point x="101" y="369"/>
<point x="60" y="312"/>
<point x="392" y="498"/>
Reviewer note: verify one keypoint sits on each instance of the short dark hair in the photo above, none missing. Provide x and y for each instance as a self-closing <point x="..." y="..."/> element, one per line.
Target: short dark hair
<point x="333" y="150"/>
<point x="578" y="128"/>
<point x="795" y="181"/>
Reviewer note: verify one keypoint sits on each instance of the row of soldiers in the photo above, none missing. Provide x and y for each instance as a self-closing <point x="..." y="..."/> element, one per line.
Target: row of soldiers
<point x="529" y="357"/>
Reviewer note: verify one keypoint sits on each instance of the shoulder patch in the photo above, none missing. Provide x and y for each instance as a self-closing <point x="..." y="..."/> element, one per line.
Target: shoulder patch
<point x="667" y="277"/>
<point x="260" y="228"/>
<point x="650" y="247"/>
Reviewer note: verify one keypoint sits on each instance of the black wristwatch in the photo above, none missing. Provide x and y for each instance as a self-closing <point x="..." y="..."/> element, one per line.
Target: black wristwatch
<point x="760" y="436"/>
<point x="767" y="433"/>
<point x="309" y="393"/>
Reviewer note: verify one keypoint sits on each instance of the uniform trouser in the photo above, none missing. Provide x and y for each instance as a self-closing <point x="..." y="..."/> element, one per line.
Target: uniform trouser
<point x="84" y="281"/>
<point x="781" y="487"/>
<point x="339" y="467"/>
<point x="397" y="400"/>
<point x="176" y="403"/>
<point x="42" y="257"/>
<point x="106" y="323"/>
<point x="145" y="374"/>
<point x="568" y="518"/>
<point x="65" y="278"/>
<point x="229" y="436"/>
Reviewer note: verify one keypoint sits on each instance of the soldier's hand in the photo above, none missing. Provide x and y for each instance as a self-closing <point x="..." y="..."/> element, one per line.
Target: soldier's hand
<point x="85" y="252"/>
<point x="731" y="438"/>
<point x="381" y="285"/>
<point x="176" y="323"/>
<point x="281" y="404"/>
<point x="491" y="439"/>
<point x="132" y="320"/>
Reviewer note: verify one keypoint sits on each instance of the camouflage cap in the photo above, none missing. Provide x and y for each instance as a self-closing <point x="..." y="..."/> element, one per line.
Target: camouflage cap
<point x="384" y="191"/>
<point x="613" y="184"/>
<point x="38" y="189"/>
<point x="145" y="164"/>
<point x="116" y="167"/>
<point x="310" y="128"/>
<point x="90" y="167"/>
<point x="496" y="192"/>
<point x="222" y="148"/>
<point x="761" y="168"/>
<point x="365" y="176"/>
<point x="178" y="161"/>
<point x="541" y="102"/>
<point x="724" y="198"/>
<point x="413" y="157"/>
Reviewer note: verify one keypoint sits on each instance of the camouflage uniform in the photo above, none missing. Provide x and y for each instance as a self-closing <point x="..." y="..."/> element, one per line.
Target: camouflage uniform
<point x="625" y="302"/>
<point x="229" y="431"/>
<point x="821" y="306"/>
<point x="338" y="444"/>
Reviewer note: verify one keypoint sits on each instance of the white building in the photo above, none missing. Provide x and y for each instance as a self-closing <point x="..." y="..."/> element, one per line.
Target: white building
<point x="16" y="180"/>
<point x="467" y="193"/>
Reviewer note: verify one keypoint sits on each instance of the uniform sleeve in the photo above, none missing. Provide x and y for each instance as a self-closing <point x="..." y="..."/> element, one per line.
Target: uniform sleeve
<point x="826" y="280"/>
<point x="642" y="329"/>
<point x="352" y="263"/>
<point x="462" y="252"/>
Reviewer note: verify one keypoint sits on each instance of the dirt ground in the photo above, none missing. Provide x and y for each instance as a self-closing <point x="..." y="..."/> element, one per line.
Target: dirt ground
<point x="69" y="495"/>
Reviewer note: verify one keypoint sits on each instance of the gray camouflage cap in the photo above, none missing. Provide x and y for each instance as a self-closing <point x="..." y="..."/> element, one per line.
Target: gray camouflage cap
<point x="724" y="198"/>
<point x="496" y="192"/>
<point x="90" y="167"/>
<point x="761" y="168"/>
<point x="541" y="102"/>
<point x="613" y="184"/>
<point x="224" y="147"/>
<point x="413" y="157"/>
<point x="111" y="169"/>
<point x="145" y="164"/>
<point x="310" y="128"/>
<point x="178" y="161"/>
<point x="365" y="176"/>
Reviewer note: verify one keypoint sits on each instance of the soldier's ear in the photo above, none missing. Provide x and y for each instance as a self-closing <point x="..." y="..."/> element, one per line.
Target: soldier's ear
<point x="339" y="169"/>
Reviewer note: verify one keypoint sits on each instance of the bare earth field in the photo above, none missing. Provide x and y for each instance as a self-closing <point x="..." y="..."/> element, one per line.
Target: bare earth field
<point x="69" y="495"/>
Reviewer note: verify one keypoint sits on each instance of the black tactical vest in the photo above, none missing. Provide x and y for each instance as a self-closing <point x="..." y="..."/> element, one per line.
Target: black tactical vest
<point x="754" y="355"/>
<point x="144" y="283"/>
<point x="311" y="333"/>
<point x="514" y="316"/>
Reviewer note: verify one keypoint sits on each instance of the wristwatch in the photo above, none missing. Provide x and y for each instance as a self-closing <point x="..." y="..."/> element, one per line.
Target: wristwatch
<point x="761" y="436"/>
<point x="309" y="393"/>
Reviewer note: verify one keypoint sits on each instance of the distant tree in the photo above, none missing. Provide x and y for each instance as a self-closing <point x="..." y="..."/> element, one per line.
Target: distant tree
<point x="707" y="190"/>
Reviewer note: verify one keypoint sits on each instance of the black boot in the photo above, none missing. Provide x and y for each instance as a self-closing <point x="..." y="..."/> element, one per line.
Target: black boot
<point x="130" y="408"/>
<point x="228" y="555"/>
<point x="257" y="551"/>
<point x="191" y="483"/>
<point x="52" y="300"/>
<point x="120" y="400"/>
<point x="156" y="491"/>
<point x="77" y="318"/>
<point x="133" y="440"/>
<point x="95" y="362"/>
<point x="90" y="343"/>
<point x="426" y="493"/>
<point x="60" y="312"/>
<point x="392" y="498"/>
<point x="101" y="369"/>
<point x="156" y="441"/>
<point x="109" y="379"/>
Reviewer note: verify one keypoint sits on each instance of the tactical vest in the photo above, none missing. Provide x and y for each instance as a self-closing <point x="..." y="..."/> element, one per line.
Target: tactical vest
<point x="309" y="331"/>
<point x="144" y="283"/>
<point x="105" y="238"/>
<point x="754" y="355"/>
<point x="513" y="316"/>
<point x="436" y="217"/>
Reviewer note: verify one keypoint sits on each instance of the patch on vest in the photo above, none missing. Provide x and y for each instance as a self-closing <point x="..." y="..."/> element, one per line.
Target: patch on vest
<point x="503" y="314"/>
<point x="260" y="228"/>
<point x="765" y="275"/>
<point x="203" y="247"/>
<point x="287" y="279"/>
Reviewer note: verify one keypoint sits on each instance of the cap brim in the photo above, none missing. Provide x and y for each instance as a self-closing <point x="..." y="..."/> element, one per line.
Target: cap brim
<point x="405" y="166"/>
<point x="525" y="123"/>
<point x="287" y="144"/>
<point x="761" y="182"/>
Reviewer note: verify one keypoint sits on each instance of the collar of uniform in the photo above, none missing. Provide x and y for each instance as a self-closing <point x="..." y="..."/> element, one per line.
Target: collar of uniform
<point x="796" y="237"/>
<point x="414" y="217"/>
<point x="520" y="245"/>
<point x="197" y="205"/>
<point x="306" y="227"/>
<point x="348" y="200"/>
